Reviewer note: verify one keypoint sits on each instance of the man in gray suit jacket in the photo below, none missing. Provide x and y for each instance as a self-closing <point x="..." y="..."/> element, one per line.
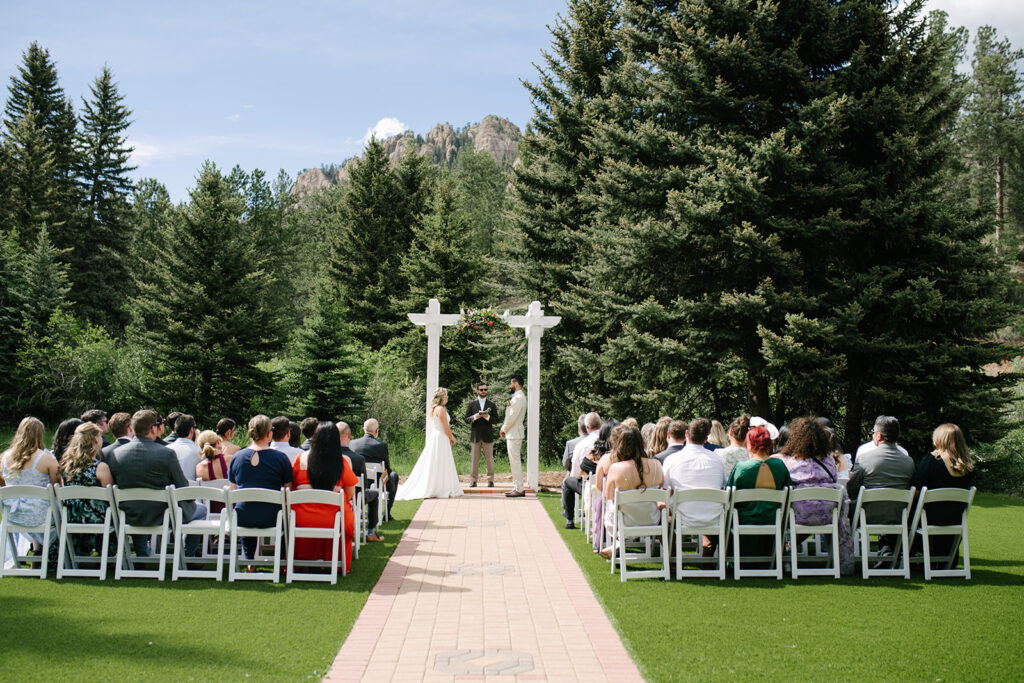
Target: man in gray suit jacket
<point x="374" y="450"/>
<point x="142" y="463"/>
<point x="884" y="466"/>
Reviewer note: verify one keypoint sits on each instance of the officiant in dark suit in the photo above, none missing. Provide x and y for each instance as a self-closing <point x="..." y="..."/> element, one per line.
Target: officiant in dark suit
<point x="482" y="415"/>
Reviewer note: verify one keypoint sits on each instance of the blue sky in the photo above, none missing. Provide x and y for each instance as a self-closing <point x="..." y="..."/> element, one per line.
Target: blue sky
<point x="297" y="84"/>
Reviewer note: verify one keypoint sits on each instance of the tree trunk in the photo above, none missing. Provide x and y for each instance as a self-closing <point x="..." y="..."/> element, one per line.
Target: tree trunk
<point x="854" y="407"/>
<point x="757" y="395"/>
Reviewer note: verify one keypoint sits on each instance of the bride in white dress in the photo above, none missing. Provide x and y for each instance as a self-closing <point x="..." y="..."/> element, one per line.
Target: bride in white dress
<point x="434" y="475"/>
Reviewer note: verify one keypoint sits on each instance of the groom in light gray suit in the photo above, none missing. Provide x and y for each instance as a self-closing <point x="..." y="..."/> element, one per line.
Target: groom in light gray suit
<point x="513" y="432"/>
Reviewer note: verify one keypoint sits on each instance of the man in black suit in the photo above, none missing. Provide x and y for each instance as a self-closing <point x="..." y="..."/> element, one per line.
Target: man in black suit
<point x="482" y="415"/>
<point x="375" y="450"/>
<point x="676" y="440"/>
<point x="120" y="425"/>
<point x="359" y="469"/>
<point x="570" y="445"/>
<point x="142" y="463"/>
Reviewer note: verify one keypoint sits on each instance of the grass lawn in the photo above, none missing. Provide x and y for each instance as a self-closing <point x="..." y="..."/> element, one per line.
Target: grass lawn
<point x="822" y="629"/>
<point x="84" y="629"/>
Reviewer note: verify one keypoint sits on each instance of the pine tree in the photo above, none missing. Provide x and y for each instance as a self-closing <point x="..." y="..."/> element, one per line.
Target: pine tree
<point x="481" y="184"/>
<point x="35" y="95"/>
<point x="42" y="284"/>
<point x="31" y="199"/>
<point x="323" y="376"/>
<point x="371" y="234"/>
<point x="10" y="317"/>
<point x="993" y="127"/>
<point x="203" y="310"/>
<point x="103" y="168"/>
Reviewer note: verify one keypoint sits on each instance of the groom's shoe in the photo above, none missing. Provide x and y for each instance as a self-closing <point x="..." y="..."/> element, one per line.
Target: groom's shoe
<point x="515" y="494"/>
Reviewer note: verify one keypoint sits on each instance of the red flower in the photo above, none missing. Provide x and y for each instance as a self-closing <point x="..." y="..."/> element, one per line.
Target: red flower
<point x="489" y="323"/>
<point x="475" y="327"/>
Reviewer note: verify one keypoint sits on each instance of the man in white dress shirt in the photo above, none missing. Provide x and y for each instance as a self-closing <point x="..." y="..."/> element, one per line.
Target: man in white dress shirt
<point x="513" y="431"/>
<point x="695" y="467"/>
<point x="281" y="428"/>
<point x="184" y="446"/>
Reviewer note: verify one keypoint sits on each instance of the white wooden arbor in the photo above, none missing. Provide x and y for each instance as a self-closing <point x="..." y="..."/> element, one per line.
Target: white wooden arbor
<point x="533" y="324"/>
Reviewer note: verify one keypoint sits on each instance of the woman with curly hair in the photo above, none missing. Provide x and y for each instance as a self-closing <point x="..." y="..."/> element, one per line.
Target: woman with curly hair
<point x="808" y="455"/>
<point x="81" y="466"/>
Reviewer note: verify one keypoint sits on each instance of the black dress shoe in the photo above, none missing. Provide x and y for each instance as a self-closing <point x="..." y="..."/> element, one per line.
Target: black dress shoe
<point x="472" y="484"/>
<point x="570" y="525"/>
<point x="490" y="484"/>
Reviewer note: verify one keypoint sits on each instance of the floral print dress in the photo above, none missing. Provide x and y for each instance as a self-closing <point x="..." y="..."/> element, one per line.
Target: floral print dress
<point x="822" y="472"/>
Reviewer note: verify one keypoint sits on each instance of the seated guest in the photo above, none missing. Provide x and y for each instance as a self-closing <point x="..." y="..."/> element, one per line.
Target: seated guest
<point x="323" y="467"/>
<point x="647" y="434"/>
<point x="884" y="466"/>
<point x="81" y="466"/>
<point x="760" y="471"/>
<point x="184" y="446"/>
<point x="226" y="431"/>
<point x="676" y="440"/>
<point x="282" y="432"/>
<point x="632" y="422"/>
<point x="659" y="439"/>
<point x="808" y="457"/>
<point x="632" y="470"/>
<point x="28" y="463"/>
<point x="307" y="427"/>
<point x="120" y="426"/>
<point x="358" y="463"/>
<point x="374" y="450"/>
<point x="872" y="443"/>
<point x="570" y="445"/>
<point x="213" y="466"/>
<point x="62" y="437"/>
<point x="258" y="467"/>
<point x="170" y="423"/>
<point x="695" y="467"/>
<point x="571" y="484"/>
<point x="949" y="466"/>
<point x="735" y="452"/>
<point x="717" y="437"/>
<point x="602" y="452"/>
<point x="99" y="418"/>
<point x="294" y="435"/>
<point x="143" y="463"/>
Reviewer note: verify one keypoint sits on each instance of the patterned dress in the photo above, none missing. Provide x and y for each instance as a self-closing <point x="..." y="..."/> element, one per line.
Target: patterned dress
<point x="822" y="472"/>
<point x="27" y="511"/>
<point x="87" y="512"/>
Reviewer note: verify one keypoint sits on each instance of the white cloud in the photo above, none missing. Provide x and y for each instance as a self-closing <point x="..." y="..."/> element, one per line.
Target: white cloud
<point x="385" y="128"/>
<point x="248" y="106"/>
<point x="145" y="153"/>
<point x="233" y="117"/>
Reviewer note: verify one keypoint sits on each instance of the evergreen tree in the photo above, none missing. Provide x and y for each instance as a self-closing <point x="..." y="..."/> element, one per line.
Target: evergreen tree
<point x="42" y="284"/>
<point x="103" y="154"/>
<point x="323" y="376"/>
<point x="10" y="316"/>
<point x="481" y="186"/>
<point x="37" y="100"/>
<point x="203" y="310"/>
<point x="372" y="234"/>
<point x="993" y="127"/>
<point x="31" y="199"/>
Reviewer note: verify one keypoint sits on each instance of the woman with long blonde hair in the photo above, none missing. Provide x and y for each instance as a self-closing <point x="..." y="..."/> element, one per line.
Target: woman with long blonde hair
<point x="81" y="466"/>
<point x="659" y="440"/>
<point x="434" y="475"/>
<point x="28" y="463"/>
<point x="949" y="466"/>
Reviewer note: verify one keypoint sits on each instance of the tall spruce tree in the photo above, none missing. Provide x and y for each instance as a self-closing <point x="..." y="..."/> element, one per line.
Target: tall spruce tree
<point x="42" y="284"/>
<point x="203" y="309"/>
<point x="103" y="168"/>
<point x="10" y="317"/>
<point x="31" y="198"/>
<point x="36" y="98"/>
<point x="323" y="376"/>
<point x="481" y="184"/>
<point x="547" y="207"/>
<point x="769" y="220"/>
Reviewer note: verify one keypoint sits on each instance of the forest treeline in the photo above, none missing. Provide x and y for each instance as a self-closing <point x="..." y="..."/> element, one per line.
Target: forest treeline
<point x="774" y="208"/>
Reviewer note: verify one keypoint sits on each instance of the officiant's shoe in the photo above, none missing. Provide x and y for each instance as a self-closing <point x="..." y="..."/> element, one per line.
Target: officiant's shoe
<point x="490" y="484"/>
<point x="515" y="494"/>
<point x="472" y="484"/>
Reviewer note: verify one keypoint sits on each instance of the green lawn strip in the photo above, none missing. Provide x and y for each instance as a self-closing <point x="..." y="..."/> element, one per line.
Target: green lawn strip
<point x="822" y="629"/>
<point x="83" y="629"/>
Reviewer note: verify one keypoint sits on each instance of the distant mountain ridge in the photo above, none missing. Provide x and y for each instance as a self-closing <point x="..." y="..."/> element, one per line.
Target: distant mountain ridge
<point x="496" y="135"/>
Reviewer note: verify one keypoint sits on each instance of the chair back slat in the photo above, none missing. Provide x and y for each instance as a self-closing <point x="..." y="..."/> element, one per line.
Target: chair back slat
<point x="950" y="495"/>
<point x="886" y="495"/>
<point x="140" y="494"/>
<point x="255" y="495"/>
<point x="104" y="493"/>
<point x="816" y="493"/>
<point x="759" y="496"/>
<point x="316" y="496"/>
<point x="219" y="495"/>
<point x="701" y="496"/>
<point x="24" y="491"/>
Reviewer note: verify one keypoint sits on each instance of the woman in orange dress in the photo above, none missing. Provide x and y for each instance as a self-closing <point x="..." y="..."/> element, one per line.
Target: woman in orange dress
<point x="323" y="467"/>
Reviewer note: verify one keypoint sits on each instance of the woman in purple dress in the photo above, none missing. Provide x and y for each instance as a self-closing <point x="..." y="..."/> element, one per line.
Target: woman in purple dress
<point x="808" y="457"/>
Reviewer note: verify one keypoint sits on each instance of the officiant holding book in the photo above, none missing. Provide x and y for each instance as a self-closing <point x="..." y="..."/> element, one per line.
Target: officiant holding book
<point x="482" y="415"/>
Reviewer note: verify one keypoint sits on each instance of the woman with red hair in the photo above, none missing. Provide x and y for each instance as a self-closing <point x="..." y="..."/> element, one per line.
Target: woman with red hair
<point x="760" y="471"/>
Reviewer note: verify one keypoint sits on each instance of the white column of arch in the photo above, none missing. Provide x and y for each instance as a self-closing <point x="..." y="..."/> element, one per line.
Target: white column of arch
<point x="434" y="322"/>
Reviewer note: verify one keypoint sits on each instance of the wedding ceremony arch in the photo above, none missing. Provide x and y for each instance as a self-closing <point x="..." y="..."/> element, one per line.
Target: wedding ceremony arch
<point x="533" y="325"/>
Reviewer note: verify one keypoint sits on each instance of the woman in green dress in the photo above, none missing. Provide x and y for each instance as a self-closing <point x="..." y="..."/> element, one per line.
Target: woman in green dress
<point x="760" y="471"/>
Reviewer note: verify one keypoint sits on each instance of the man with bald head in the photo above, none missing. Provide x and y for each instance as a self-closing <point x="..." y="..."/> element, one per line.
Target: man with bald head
<point x="358" y="462"/>
<point x="374" y="450"/>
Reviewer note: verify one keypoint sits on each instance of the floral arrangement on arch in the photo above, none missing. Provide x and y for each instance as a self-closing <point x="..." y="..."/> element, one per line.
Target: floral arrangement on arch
<point x="480" y="322"/>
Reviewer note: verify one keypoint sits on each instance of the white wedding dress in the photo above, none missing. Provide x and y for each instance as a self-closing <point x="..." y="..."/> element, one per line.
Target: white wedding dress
<point x="434" y="475"/>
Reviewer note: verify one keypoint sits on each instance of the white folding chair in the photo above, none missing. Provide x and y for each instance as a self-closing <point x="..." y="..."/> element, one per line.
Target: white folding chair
<point x="740" y="529"/>
<point x="715" y="528"/>
<point x="124" y="566"/>
<point x="622" y="533"/>
<point x="238" y="532"/>
<point x="921" y="526"/>
<point x="335" y="533"/>
<point x="864" y="531"/>
<point x="586" y="514"/>
<point x="66" y="554"/>
<point x="359" y="507"/>
<point x="795" y="530"/>
<point x="9" y="528"/>
<point x="376" y="474"/>
<point x="207" y="528"/>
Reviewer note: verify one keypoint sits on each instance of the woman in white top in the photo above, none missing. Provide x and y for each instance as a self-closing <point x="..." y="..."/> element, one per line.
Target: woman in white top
<point x="632" y="469"/>
<point x="28" y="463"/>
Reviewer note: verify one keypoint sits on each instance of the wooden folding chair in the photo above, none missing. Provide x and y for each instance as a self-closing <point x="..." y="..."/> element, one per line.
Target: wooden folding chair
<point x="717" y="528"/>
<point x="8" y="528"/>
<point x="336" y="534"/>
<point x="207" y="528"/>
<point x="795" y="530"/>
<point x="239" y="532"/>
<point x="66" y="554"/>
<point x="863" y="531"/>
<point x="124" y="566"/>
<point x="623" y="533"/>
<point x="921" y="526"/>
<point x="740" y="529"/>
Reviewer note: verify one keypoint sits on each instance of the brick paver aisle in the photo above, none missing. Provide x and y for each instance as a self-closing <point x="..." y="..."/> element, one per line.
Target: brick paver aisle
<point x="482" y="587"/>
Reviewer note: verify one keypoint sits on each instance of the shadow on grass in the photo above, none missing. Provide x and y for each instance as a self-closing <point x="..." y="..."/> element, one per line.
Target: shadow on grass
<point x="997" y="501"/>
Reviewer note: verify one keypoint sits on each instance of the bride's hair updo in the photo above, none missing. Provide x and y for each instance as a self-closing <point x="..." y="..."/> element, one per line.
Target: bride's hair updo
<point x="440" y="395"/>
